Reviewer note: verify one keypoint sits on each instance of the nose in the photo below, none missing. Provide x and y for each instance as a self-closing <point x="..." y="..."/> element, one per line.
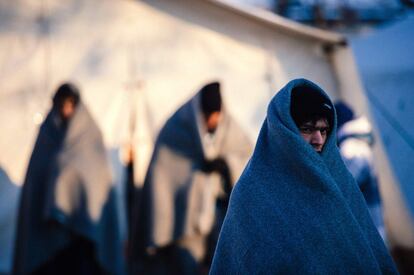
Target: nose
<point x="317" y="138"/>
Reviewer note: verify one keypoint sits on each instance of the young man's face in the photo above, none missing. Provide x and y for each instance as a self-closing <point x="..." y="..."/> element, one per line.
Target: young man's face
<point x="67" y="108"/>
<point x="315" y="132"/>
<point x="212" y="121"/>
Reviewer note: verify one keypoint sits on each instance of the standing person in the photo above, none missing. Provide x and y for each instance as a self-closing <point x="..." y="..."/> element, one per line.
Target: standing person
<point x="67" y="220"/>
<point x="198" y="155"/>
<point x="355" y="139"/>
<point x="296" y="209"/>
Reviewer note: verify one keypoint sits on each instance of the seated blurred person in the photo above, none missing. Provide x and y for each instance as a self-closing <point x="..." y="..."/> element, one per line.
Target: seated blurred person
<point x="199" y="154"/>
<point x="67" y="220"/>
<point x="355" y="139"/>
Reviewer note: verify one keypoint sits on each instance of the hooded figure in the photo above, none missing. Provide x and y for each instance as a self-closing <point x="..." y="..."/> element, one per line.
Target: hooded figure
<point x="67" y="220"/>
<point x="295" y="210"/>
<point x="355" y="141"/>
<point x="198" y="156"/>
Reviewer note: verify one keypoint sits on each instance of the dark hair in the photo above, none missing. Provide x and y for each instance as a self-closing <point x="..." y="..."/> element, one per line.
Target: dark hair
<point x="210" y="98"/>
<point x="66" y="91"/>
<point x="313" y="120"/>
<point x="309" y="105"/>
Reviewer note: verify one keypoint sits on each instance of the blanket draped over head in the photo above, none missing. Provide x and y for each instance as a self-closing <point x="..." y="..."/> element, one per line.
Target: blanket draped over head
<point x="295" y="211"/>
<point x="67" y="193"/>
<point x="179" y="197"/>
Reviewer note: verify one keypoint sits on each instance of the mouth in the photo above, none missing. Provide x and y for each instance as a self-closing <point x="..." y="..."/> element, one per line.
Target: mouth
<point x="317" y="148"/>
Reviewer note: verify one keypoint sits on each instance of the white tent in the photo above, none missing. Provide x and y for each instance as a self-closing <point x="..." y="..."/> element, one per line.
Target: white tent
<point x="137" y="61"/>
<point x="386" y="61"/>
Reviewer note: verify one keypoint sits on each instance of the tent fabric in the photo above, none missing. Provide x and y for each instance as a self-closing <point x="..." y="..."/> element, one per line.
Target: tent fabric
<point x="67" y="192"/>
<point x="294" y="211"/>
<point x="179" y="197"/>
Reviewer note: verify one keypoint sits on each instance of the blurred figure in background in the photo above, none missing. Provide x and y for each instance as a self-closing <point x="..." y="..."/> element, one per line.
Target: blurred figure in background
<point x="199" y="154"/>
<point x="67" y="220"/>
<point x="355" y="139"/>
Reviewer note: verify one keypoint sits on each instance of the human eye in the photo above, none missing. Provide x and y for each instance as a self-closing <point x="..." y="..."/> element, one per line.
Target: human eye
<point x="324" y="131"/>
<point x="306" y="129"/>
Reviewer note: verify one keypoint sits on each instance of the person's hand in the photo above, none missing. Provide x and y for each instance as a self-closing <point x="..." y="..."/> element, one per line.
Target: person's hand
<point x="220" y="166"/>
<point x="216" y="165"/>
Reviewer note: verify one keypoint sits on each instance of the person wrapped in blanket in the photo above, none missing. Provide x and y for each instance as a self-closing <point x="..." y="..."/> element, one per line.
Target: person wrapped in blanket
<point x="198" y="156"/>
<point x="296" y="209"/>
<point x="67" y="221"/>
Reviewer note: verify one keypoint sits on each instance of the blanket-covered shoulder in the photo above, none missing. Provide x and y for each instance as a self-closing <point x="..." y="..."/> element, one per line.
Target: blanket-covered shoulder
<point x="180" y="133"/>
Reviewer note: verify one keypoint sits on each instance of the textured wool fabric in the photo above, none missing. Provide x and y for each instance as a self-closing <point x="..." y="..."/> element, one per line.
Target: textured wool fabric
<point x="179" y="197"/>
<point x="294" y="211"/>
<point x="67" y="193"/>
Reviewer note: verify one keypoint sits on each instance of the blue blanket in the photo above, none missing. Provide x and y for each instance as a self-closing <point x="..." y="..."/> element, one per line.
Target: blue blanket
<point x="294" y="211"/>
